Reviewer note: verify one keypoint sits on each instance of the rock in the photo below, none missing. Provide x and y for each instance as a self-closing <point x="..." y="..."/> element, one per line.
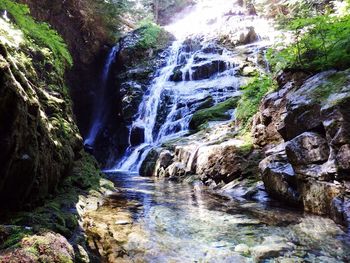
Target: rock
<point x="307" y="148"/>
<point x="137" y="135"/>
<point x="43" y="247"/>
<point x="279" y="177"/>
<point x="207" y="70"/>
<point x="164" y="161"/>
<point x="176" y="169"/>
<point x="271" y="247"/>
<point x="177" y="74"/>
<point x="148" y="166"/>
<point x="249" y="37"/>
<point x="242" y="249"/>
<point x="318" y="196"/>
<point x="343" y="157"/>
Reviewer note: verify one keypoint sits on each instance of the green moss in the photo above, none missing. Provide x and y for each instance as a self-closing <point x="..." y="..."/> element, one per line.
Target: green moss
<point x="215" y="113"/>
<point x="56" y="214"/>
<point x="152" y="36"/>
<point x="333" y="85"/>
<point x="12" y="236"/>
<point x="41" y="33"/>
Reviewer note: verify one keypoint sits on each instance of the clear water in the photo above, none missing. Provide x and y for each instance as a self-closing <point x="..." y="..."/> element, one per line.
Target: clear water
<point x="186" y="223"/>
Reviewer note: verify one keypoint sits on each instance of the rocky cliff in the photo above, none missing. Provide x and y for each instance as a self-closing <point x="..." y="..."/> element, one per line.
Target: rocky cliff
<point x="305" y="127"/>
<point x="39" y="139"/>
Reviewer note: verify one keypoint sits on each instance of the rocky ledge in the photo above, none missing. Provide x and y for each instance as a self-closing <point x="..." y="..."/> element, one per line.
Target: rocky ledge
<point x="304" y="128"/>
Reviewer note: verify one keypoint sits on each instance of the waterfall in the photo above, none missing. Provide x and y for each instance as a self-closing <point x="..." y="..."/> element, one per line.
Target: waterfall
<point x="98" y="115"/>
<point x="198" y="71"/>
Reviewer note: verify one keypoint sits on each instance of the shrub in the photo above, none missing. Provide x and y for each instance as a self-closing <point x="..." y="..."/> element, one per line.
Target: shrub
<point x="150" y="33"/>
<point x="321" y="42"/>
<point x="253" y="92"/>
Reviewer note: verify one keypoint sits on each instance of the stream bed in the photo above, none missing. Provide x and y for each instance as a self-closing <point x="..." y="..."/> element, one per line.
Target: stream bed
<point x="181" y="222"/>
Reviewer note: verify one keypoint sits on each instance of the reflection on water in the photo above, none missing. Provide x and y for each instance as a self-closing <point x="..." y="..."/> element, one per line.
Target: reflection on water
<point x="186" y="223"/>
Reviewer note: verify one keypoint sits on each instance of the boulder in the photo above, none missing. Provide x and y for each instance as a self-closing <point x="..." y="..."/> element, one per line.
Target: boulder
<point x="279" y="177"/>
<point x="176" y="169"/>
<point x="343" y="158"/>
<point x="307" y="148"/>
<point x="147" y="168"/>
<point x="42" y="247"/>
<point x="249" y="37"/>
<point x="207" y="70"/>
<point x="165" y="159"/>
<point x="318" y="196"/>
<point x="177" y="74"/>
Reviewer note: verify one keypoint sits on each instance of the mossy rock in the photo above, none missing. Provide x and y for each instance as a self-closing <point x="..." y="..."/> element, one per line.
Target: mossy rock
<point x="215" y="113"/>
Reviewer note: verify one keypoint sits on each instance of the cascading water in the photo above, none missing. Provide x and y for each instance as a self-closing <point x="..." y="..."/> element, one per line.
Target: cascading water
<point x="198" y="71"/>
<point x="97" y="120"/>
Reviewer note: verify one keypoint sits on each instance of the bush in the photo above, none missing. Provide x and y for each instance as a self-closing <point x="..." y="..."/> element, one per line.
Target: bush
<point x="253" y="93"/>
<point x="41" y="33"/>
<point x="150" y="33"/>
<point x="321" y="42"/>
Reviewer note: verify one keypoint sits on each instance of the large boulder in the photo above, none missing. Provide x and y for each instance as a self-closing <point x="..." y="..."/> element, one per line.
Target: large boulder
<point x="307" y="148"/>
<point x="279" y="177"/>
<point x="208" y="69"/>
<point x="147" y="168"/>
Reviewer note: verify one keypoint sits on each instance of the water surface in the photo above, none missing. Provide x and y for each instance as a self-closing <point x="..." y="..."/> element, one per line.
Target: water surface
<point x="180" y="222"/>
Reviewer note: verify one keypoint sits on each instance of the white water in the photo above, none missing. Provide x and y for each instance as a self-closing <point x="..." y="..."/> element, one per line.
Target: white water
<point x="197" y="33"/>
<point x="98" y="117"/>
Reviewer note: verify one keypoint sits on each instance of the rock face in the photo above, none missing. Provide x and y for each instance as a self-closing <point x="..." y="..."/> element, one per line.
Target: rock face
<point x="310" y="122"/>
<point x="39" y="139"/>
<point x="133" y="70"/>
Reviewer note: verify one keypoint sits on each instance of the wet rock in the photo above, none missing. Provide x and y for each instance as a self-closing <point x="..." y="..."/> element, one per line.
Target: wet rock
<point x="176" y="169"/>
<point x="208" y="69"/>
<point x="279" y="177"/>
<point x="249" y="37"/>
<point x="137" y="135"/>
<point x="307" y="148"/>
<point x="318" y="196"/>
<point x="272" y="246"/>
<point x="148" y="166"/>
<point x="165" y="159"/>
<point x="177" y="74"/>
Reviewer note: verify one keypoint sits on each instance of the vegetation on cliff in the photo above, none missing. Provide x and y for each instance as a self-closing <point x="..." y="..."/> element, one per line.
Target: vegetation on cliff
<point x="39" y="33"/>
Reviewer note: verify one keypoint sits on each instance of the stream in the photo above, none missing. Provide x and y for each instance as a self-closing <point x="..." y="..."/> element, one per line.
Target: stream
<point x="183" y="222"/>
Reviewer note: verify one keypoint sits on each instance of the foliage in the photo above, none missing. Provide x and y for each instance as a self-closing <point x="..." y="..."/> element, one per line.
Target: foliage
<point x="150" y="33"/>
<point x="321" y="42"/>
<point x="40" y="33"/>
<point x="253" y="92"/>
<point x="215" y="113"/>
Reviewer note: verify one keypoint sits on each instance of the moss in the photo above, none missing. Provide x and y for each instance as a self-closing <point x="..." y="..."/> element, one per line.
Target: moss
<point x="41" y="33"/>
<point x="215" y="113"/>
<point x="12" y="236"/>
<point x="152" y="36"/>
<point x="57" y="214"/>
<point x="334" y="84"/>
